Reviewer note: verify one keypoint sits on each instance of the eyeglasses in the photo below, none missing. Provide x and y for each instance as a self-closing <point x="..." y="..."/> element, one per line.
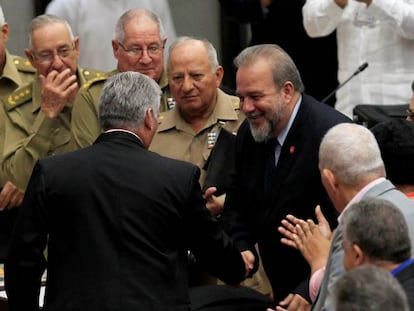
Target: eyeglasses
<point x="152" y="50"/>
<point x="410" y="113"/>
<point x="49" y="57"/>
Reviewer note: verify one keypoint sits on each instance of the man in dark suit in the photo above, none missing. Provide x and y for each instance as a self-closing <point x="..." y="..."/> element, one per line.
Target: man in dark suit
<point x="118" y="219"/>
<point x="272" y="98"/>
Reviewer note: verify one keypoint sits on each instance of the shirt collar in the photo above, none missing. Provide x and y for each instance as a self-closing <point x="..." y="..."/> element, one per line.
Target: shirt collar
<point x="358" y="197"/>
<point x="223" y="111"/>
<point x="125" y="131"/>
<point x="283" y="134"/>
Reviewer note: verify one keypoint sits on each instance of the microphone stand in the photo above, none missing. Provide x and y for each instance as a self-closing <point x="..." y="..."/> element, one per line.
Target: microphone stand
<point x="360" y="69"/>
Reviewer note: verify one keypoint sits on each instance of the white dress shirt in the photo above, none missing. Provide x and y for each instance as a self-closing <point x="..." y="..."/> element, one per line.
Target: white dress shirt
<point x="381" y="34"/>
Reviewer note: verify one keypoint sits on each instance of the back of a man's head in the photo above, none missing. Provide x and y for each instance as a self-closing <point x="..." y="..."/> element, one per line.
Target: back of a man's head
<point x="126" y="98"/>
<point x="379" y="229"/>
<point x="351" y="152"/>
<point x="396" y="141"/>
<point x="369" y="288"/>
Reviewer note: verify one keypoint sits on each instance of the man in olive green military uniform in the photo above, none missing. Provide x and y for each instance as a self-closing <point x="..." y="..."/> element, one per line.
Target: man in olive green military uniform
<point x="190" y="130"/>
<point x="14" y="72"/>
<point x="38" y="115"/>
<point x="138" y="46"/>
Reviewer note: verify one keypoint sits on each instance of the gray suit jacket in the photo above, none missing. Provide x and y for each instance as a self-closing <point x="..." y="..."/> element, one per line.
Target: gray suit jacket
<point x="334" y="267"/>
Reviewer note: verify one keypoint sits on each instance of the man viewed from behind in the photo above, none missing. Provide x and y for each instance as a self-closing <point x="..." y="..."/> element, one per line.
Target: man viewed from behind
<point x="369" y="288"/>
<point x="375" y="232"/>
<point x="118" y="219"/>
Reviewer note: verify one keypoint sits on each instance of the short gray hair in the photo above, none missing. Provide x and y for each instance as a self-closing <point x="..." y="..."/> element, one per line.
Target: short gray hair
<point x="352" y="153"/>
<point x="281" y="64"/>
<point x="45" y="19"/>
<point x="211" y="51"/>
<point x="379" y="228"/>
<point x="369" y="288"/>
<point x="125" y="99"/>
<point x="135" y="14"/>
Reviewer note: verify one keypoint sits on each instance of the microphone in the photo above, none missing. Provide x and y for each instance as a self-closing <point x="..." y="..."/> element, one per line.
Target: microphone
<point x="360" y="69"/>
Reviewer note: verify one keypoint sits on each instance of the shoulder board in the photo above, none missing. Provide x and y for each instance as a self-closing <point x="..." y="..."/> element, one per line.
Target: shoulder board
<point x="18" y="97"/>
<point x="23" y="64"/>
<point x="91" y="76"/>
<point x="236" y="102"/>
<point x="161" y="117"/>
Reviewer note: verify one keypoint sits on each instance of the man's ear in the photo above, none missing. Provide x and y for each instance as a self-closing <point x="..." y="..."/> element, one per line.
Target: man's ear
<point x="29" y="56"/>
<point x="150" y="121"/>
<point x="359" y="256"/>
<point x="330" y="179"/>
<point x="76" y="46"/>
<point x="219" y="75"/>
<point x="5" y="32"/>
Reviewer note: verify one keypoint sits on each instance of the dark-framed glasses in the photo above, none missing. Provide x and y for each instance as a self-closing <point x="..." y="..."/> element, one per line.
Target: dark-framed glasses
<point x="136" y="51"/>
<point x="48" y="57"/>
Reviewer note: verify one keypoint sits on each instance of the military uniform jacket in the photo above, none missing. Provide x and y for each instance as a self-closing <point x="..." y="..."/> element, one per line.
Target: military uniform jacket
<point x="29" y="134"/>
<point x="85" y="124"/>
<point x="17" y="71"/>
<point x="176" y="139"/>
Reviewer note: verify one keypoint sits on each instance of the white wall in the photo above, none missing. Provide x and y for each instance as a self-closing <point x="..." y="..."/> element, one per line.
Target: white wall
<point x="199" y="18"/>
<point x="18" y="14"/>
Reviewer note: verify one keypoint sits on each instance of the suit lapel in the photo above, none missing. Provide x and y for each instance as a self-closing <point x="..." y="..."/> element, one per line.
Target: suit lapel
<point x="290" y="151"/>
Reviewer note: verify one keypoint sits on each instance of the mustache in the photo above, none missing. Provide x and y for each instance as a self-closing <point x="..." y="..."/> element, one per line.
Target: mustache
<point x="253" y="114"/>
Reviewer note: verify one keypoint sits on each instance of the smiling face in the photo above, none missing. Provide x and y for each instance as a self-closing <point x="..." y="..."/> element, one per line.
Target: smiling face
<point x="265" y="106"/>
<point x="141" y="34"/>
<point x="192" y="80"/>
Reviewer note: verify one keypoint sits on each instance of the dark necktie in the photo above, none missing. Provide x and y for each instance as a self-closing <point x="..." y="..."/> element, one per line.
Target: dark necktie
<point x="270" y="165"/>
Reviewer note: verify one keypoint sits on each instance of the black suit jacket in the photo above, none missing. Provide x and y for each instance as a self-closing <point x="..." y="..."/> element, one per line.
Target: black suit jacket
<point x="250" y="216"/>
<point x="406" y="279"/>
<point x="119" y="221"/>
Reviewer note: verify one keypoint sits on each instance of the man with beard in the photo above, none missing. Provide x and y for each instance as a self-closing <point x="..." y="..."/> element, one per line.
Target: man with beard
<point x="276" y="163"/>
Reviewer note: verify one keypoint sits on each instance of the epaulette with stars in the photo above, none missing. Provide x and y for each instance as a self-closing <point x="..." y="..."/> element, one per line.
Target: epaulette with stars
<point x="236" y="103"/>
<point x="92" y="76"/>
<point x="18" y="97"/>
<point x="23" y="64"/>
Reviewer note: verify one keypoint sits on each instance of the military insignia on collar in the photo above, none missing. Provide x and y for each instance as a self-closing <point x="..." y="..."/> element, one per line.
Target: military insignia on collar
<point x="211" y="139"/>
<point x="170" y="103"/>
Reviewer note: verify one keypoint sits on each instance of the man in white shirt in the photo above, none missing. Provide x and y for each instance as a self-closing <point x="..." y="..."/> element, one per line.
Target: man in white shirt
<point x="379" y="32"/>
